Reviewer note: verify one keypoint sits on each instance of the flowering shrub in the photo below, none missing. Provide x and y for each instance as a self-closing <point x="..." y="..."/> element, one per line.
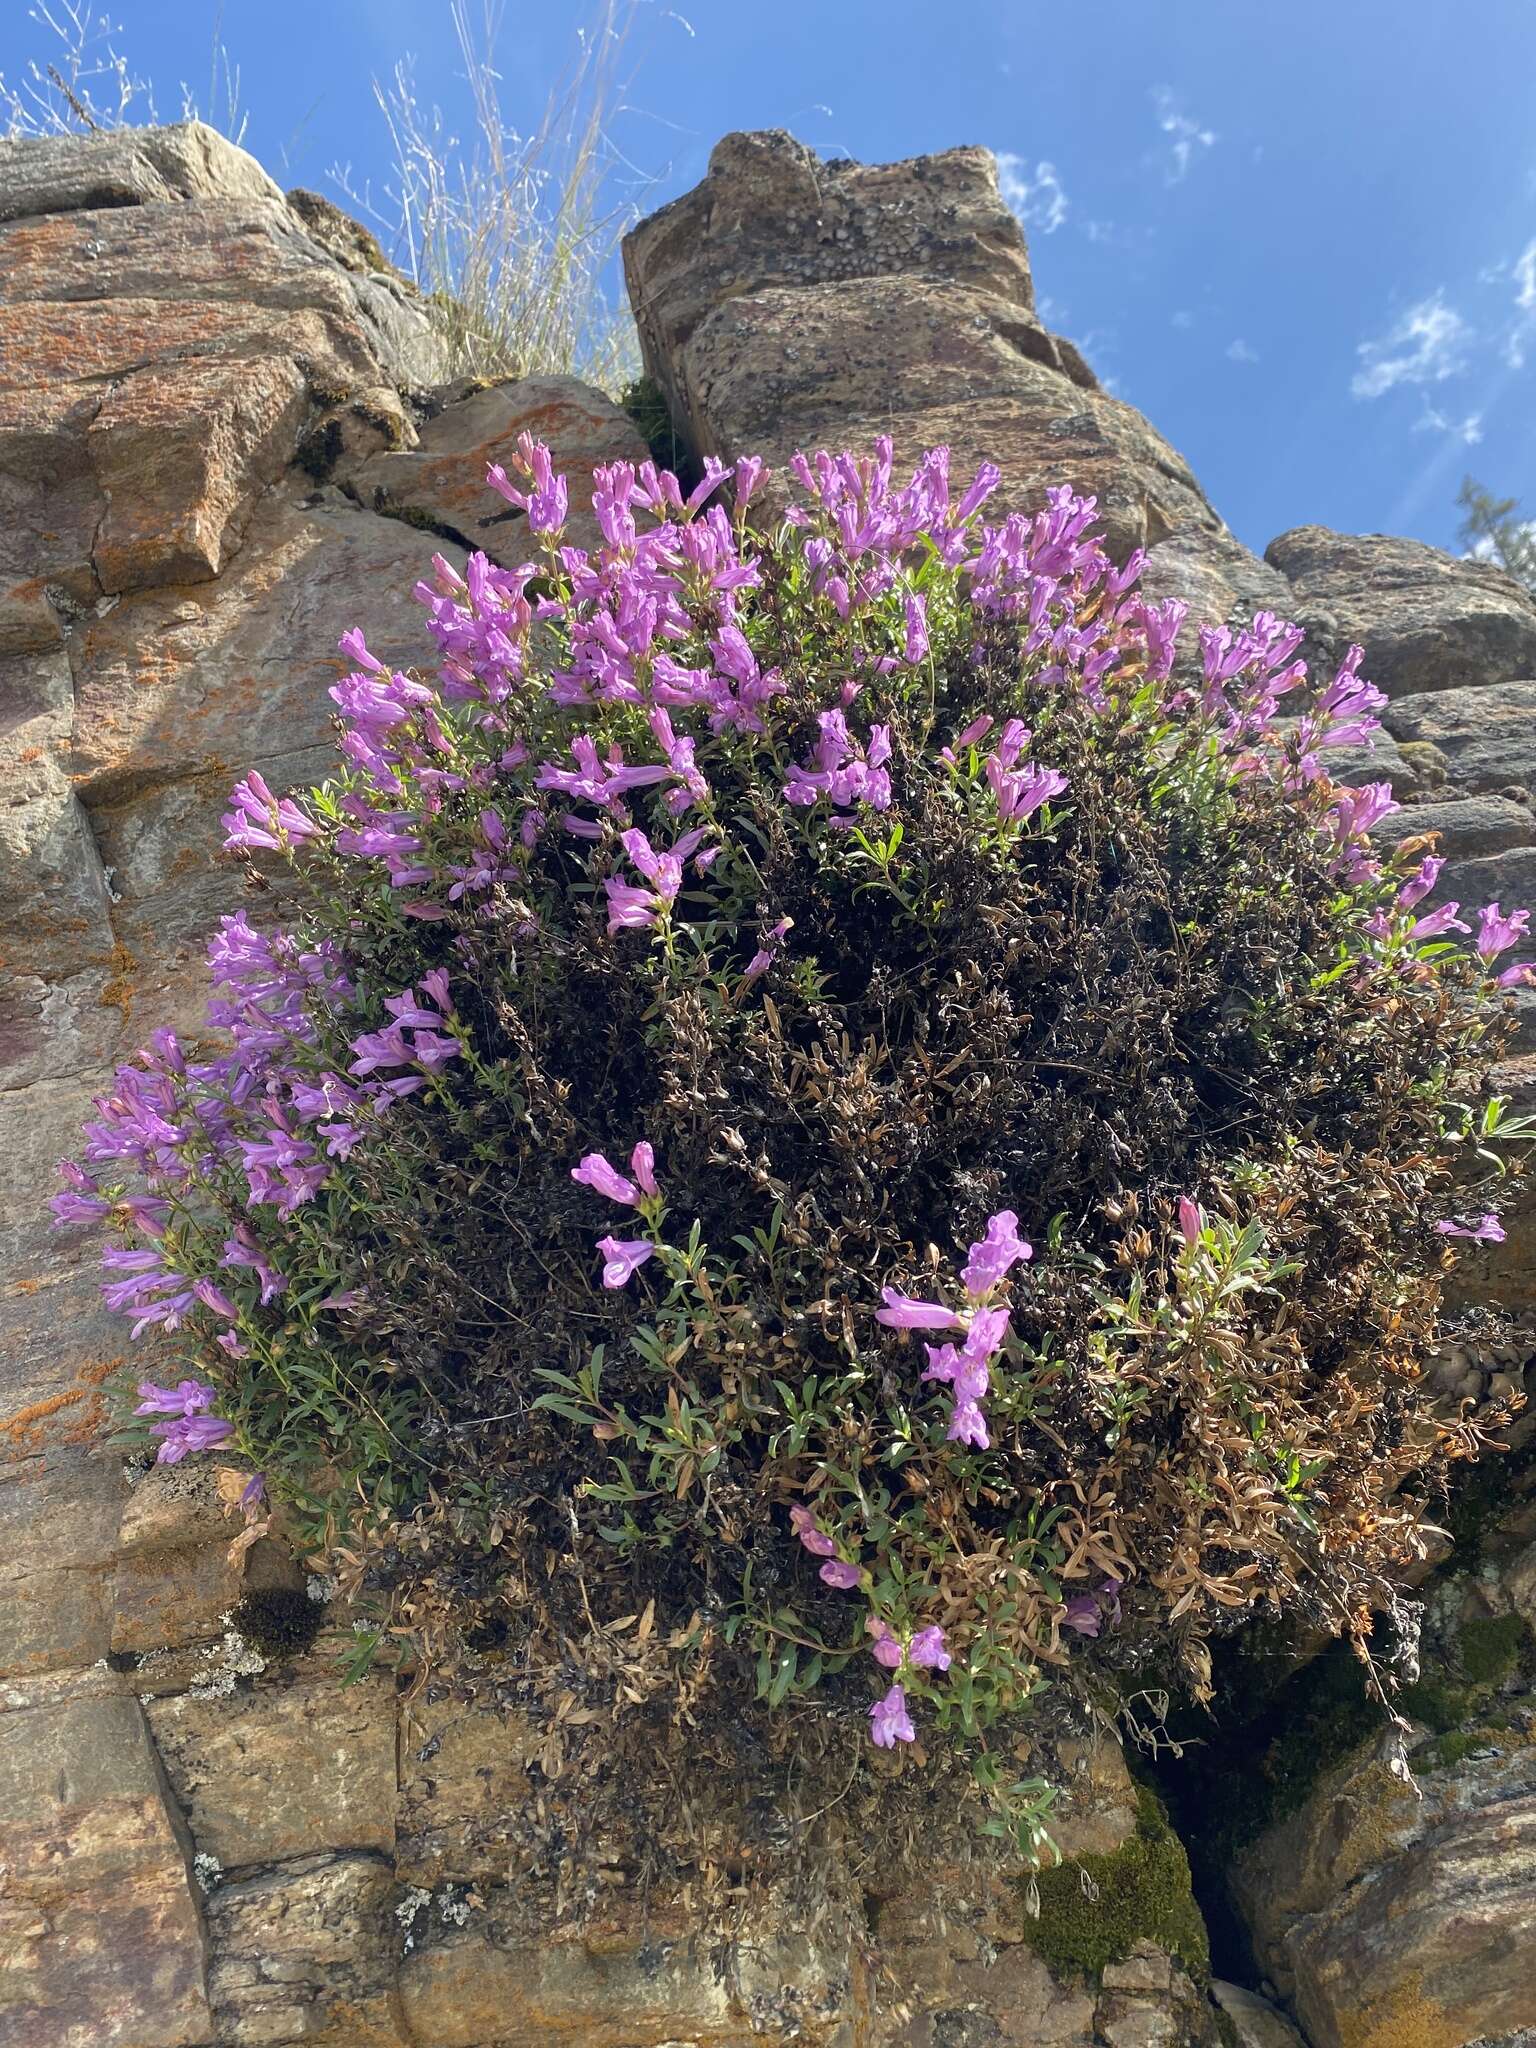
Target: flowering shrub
<point x="827" y="1088"/>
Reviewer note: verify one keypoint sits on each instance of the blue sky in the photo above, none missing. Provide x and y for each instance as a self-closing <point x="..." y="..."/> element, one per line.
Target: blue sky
<point x="1302" y="239"/>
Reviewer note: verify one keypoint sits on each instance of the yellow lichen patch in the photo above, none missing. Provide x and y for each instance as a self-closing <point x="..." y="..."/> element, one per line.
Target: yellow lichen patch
<point x="1404" y="2019"/>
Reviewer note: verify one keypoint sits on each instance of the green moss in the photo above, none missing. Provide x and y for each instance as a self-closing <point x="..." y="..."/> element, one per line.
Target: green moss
<point x="1491" y="1649"/>
<point x="1141" y="1892"/>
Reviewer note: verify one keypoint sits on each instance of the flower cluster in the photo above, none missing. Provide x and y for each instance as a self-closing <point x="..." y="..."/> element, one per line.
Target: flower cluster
<point x="985" y="953"/>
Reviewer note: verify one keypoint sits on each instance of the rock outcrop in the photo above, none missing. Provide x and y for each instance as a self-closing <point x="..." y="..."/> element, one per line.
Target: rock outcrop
<point x="224" y="439"/>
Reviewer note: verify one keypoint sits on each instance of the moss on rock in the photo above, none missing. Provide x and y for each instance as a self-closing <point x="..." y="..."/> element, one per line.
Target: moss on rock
<point x="1094" y="1911"/>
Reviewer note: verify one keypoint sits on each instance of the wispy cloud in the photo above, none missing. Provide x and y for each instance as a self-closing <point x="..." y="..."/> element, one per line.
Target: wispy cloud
<point x="1182" y="318"/>
<point x="1036" y="196"/>
<point x="1428" y="344"/>
<point x="1238" y="351"/>
<point x="1433" y="421"/>
<point x="1523" y="273"/>
<point x="1185" y="134"/>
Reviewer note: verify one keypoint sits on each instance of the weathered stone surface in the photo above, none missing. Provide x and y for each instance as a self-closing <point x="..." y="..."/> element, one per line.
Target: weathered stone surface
<point x="628" y="1982"/>
<point x="283" y="1770"/>
<point x="440" y="484"/>
<point x="463" y="1789"/>
<point x="769" y="213"/>
<point x="184" y="453"/>
<point x="1485" y="738"/>
<point x="1427" y="621"/>
<point x="781" y="369"/>
<point x="1215" y="575"/>
<point x="1255" y="2022"/>
<point x="125" y="167"/>
<point x="1468" y="828"/>
<point x="101" y="1942"/>
<point x="305" y="1954"/>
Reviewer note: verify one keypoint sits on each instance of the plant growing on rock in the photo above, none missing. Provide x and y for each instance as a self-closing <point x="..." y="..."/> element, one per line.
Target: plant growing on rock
<point x="829" y="1093"/>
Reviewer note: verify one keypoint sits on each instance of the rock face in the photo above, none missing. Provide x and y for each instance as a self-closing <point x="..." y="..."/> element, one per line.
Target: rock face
<point x="1394" y="1905"/>
<point x="787" y="303"/>
<point x="1426" y="622"/>
<point x="224" y="439"/>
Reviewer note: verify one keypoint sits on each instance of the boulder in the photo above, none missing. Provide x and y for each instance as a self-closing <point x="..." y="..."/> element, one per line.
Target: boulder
<point x="770" y="213"/>
<point x="439" y="485"/>
<point x="785" y="303"/>
<point x="306" y="1952"/>
<point x="1390" y="1906"/>
<point x="1427" y="621"/>
<point x="125" y="167"/>
<point x="1476" y="741"/>
<point x="101" y="1940"/>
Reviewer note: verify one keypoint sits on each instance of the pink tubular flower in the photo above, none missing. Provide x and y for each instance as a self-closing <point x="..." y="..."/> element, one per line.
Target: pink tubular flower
<point x="967" y="1425"/>
<point x="927" y="1650"/>
<point x="889" y="1721"/>
<point x="917" y="629"/>
<point x="596" y="1173"/>
<point x="631" y="908"/>
<point x="190" y="1433"/>
<point x="642" y="1164"/>
<point x="1191" y="1222"/>
<point x="1421" y="881"/>
<point x="1496" y="933"/>
<point x="843" y="1576"/>
<point x="810" y="1532"/>
<point x="189" y="1397"/>
<point x="885" y="1648"/>
<point x="622" y="1258"/>
<point x="994" y="1256"/>
<point x="903" y="1312"/>
<point x="257" y="818"/>
<point x="1438" y="922"/>
<point x="1488" y="1230"/>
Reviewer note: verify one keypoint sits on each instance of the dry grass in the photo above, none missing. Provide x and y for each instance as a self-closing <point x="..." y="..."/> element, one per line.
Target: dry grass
<point x="511" y="234"/>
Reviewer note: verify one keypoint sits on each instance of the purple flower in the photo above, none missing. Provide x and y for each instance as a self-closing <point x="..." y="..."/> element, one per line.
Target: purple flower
<point x="254" y="1492"/>
<point x="843" y="773"/>
<point x="843" y="1576"/>
<point x="189" y="1397"/>
<point x="917" y="628"/>
<point x="622" y="1258"/>
<point x="642" y="1164"/>
<point x="1438" y="922"/>
<point x="885" y="1648"/>
<point x="596" y="1173"/>
<point x="902" y="1312"/>
<point x="994" y="1256"/>
<point x="631" y="908"/>
<point x="967" y="1425"/>
<point x="1496" y="933"/>
<point x="1420" y="882"/>
<point x="1487" y="1231"/>
<point x="1082" y="1615"/>
<point x="889" y="1721"/>
<point x="259" y="819"/>
<point x="190" y="1433"/>
<point x="766" y="954"/>
<point x="927" y="1650"/>
<point x="810" y="1532"/>
<point x="1191" y="1222"/>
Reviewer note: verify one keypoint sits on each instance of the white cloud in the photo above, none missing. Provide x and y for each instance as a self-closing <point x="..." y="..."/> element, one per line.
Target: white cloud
<point x="1239" y="352"/>
<point x="1433" y="421"/>
<point x="1183" y="318"/>
<point x="1185" y="134"/>
<point x="1426" y="345"/>
<point x="1035" y="196"/>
